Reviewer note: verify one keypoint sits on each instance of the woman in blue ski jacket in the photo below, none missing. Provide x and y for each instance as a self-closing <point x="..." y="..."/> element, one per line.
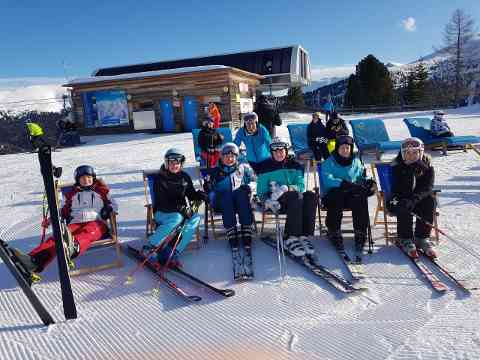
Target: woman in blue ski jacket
<point x="229" y="194"/>
<point x="256" y="139"/>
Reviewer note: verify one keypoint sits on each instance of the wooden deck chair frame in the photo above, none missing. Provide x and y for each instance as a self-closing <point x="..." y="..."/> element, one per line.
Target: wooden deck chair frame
<point x="150" y="222"/>
<point x="111" y="241"/>
<point x="388" y="220"/>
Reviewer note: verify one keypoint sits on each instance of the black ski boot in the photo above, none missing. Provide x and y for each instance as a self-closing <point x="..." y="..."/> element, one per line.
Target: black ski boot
<point x="336" y="238"/>
<point x="360" y="240"/>
<point x="29" y="265"/>
<point x="247" y="252"/>
<point x="232" y="238"/>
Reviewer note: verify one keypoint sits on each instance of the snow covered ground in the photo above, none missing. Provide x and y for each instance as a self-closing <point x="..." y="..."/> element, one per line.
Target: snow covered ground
<point x="399" y="317"/>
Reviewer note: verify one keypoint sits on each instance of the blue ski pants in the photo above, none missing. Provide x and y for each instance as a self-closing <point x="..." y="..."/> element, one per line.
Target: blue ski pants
<point x="232" y="203"/>
<point x="166" y="222"/>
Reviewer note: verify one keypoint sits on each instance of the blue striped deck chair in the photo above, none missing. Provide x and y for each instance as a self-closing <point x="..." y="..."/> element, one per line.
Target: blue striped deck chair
<point x="370" y="135"/>
<point x="111" y="239"/>
<point x="151" y="225"/>
<point x="420" y="128"/>
<point x="382" y="172"/>
<point x="298" y="138"/>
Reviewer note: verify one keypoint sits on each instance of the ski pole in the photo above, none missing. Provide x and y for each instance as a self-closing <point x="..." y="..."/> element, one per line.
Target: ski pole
<point x="280" y="248"/>
<point x="432" y="226"/>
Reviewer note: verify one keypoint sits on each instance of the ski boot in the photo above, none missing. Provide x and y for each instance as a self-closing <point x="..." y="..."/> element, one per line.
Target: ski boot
<point x="29" y="267"/>
<point x="307" y="245"/>
<point x="426" y="246"/>
<point x="360" y="240"/>
<point x="71" y="247"/>
<point x="409" y="247"/>
<point x="336" y="238"/>
<point x="294" y="246"/>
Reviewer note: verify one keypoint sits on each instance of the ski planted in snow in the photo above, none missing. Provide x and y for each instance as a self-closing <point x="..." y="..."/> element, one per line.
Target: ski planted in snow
<point x="24" y="280"/>
<point x="155" y="268"/>
<point x="432" y="279"/>
<point x="247" y="263"/>
<point x="449" y="273"/>
<point x="46" y="168"/>
<point x="356" y="269"/>
<point x="311" y="263"/>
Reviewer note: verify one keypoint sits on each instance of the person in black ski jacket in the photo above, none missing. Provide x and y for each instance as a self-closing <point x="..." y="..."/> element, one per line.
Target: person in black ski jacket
<point x="317" y="137"/>
<point x="267" y="110"/>
<point x="336" y="127"/>
<point x="209" y="140"/>
<point x="413" y="177"/>
<point x="171" y="187"/>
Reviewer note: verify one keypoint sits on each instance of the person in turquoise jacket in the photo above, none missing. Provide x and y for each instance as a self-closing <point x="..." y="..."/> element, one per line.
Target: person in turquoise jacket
<point x="280" y="185"/>
<point x="256" y="139"/>
<point x="344" y="182"/>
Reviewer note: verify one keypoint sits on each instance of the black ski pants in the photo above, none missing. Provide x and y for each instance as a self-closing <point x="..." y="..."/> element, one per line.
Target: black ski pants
<point x="337" y="200"/>
<point x="300" y="209"/>
<point x="424" y="209"/>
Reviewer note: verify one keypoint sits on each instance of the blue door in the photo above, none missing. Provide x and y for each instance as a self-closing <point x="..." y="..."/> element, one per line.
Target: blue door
<point x="190" y="113"/>
<point x="168" y="123"/>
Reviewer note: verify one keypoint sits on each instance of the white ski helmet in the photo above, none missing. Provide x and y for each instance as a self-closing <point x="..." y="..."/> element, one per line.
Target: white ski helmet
<point x="230" y="148"/>
<point x="412" y="143"/>
<point x="279" y="143"/>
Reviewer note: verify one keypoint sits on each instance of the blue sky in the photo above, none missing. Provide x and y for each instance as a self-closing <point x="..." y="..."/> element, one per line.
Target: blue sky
<point x="37" y="37"/>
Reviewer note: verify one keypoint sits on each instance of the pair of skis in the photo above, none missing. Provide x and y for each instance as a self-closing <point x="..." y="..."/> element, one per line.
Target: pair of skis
<point x="242" y="262"/>
<point x="156" y="269"/>
<point x="311" y="263"/>
<point x="431" y="278"/>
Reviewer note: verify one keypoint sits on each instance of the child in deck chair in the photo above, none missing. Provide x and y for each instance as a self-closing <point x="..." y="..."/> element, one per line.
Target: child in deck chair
<point x="209" y="140"/>
<point x="412" y="185"/>
<point x="439" y="126"/>
<point x="87" y="207"/>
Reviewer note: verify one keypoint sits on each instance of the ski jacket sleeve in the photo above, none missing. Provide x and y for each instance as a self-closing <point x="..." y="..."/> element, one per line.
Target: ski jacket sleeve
<point x="239" y="137"/>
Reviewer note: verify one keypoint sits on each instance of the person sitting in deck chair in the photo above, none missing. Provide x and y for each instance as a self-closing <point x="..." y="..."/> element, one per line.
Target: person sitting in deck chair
<point x="87" y="207"/>
<point x="439" y="126"/>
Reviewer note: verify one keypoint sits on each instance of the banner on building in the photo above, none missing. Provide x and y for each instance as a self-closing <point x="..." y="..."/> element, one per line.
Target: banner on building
<point x="105" y="108"/>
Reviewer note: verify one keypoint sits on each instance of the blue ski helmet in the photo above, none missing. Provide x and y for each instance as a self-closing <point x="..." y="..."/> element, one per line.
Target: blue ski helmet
<point x="84" y="170"/>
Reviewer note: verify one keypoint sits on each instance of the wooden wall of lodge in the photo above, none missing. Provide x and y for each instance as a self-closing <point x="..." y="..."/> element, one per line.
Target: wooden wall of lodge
<point x="155" y="89"/>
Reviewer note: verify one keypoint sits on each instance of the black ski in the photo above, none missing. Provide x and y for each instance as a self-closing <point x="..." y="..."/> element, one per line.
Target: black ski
<point x="24" y="279"/>
<point x="354" y="268"/>
<point x="223" y="292"/>
<point x="449" y="273"/>
<point x="311" y="263"/>
<point x="247" y="263"/>
<point x="46" y="167"/>
<point x="135" y="253"/>
<point x="237" y="264"/>
<point x="432" y="279"/>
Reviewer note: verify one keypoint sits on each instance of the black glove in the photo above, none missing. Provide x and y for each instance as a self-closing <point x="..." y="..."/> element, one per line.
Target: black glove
<point x="207" y="186"/>
<point x="186" y="212"/>
<point x="348" y="186"/>
<point x="400" y="206"/>
<point x="369" y="186"/>
<point x="106" y="212"/>
<point x="202" y="195"/>
<point x="407" y="203"/>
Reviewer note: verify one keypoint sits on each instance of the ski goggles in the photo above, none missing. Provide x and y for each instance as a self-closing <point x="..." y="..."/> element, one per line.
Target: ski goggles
<point x="412" y="144"/>
<point x="176" y="158"/>
<point x="279" y="146"/>
<point x="250" y="118"/>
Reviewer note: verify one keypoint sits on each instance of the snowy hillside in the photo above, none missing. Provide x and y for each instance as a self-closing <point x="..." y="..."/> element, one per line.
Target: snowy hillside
<point x="400" y="317"/>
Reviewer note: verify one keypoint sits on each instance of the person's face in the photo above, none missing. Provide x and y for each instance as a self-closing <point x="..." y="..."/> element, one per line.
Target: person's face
<point x="229" y="159"/>
<point x="315" y="118"/>
<point x="411" y="155"/>
<point x="344" y="150"/>
<point x="210" y="124"/>
<point x="174" y="166"/>
<point x="251" y="126"/>
<point x="86" y="180"/>
<point x="279" y="154"/>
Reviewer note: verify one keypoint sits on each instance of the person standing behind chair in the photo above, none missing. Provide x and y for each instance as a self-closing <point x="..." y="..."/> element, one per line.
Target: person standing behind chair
<point x="281" y="185"/>
<point x="346" y="186"/>
<point x="335" y="127"/>
<point x="171" y="188"/>
<point x="412" y="193"/>
<point x="317" y="137"/>
<point x="209" y="140"/>
<point x="439" y="126"/>
<point x="256" y="139"/>
<point x="328" y="108"/>
<point x="266" y="108"/>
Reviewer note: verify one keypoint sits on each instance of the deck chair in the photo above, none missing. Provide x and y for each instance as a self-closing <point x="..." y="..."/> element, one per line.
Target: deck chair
<point x="151" y="224"/>
<point x="420" y="128"/>
<point x="323" y="210"/>
<point x="383" y="175"/>
<point x="110" y="240"/>
<point x="370" y="135"/>
<point x="298" y="138"/>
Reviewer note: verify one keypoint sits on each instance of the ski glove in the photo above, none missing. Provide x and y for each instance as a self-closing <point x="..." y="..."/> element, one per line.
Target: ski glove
<point x="369" y="186"/>
<point x="186" y="212"/>
<point x="202" y="195"/>
<point x="106" y="212"/>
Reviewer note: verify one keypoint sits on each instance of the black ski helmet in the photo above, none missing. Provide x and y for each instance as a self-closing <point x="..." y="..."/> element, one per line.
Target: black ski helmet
<point x="84" y="170"/>
<point x="174" y="154"/>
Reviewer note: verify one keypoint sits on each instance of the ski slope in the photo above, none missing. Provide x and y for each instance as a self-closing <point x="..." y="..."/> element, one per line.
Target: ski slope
<point x="400" y="317"/>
